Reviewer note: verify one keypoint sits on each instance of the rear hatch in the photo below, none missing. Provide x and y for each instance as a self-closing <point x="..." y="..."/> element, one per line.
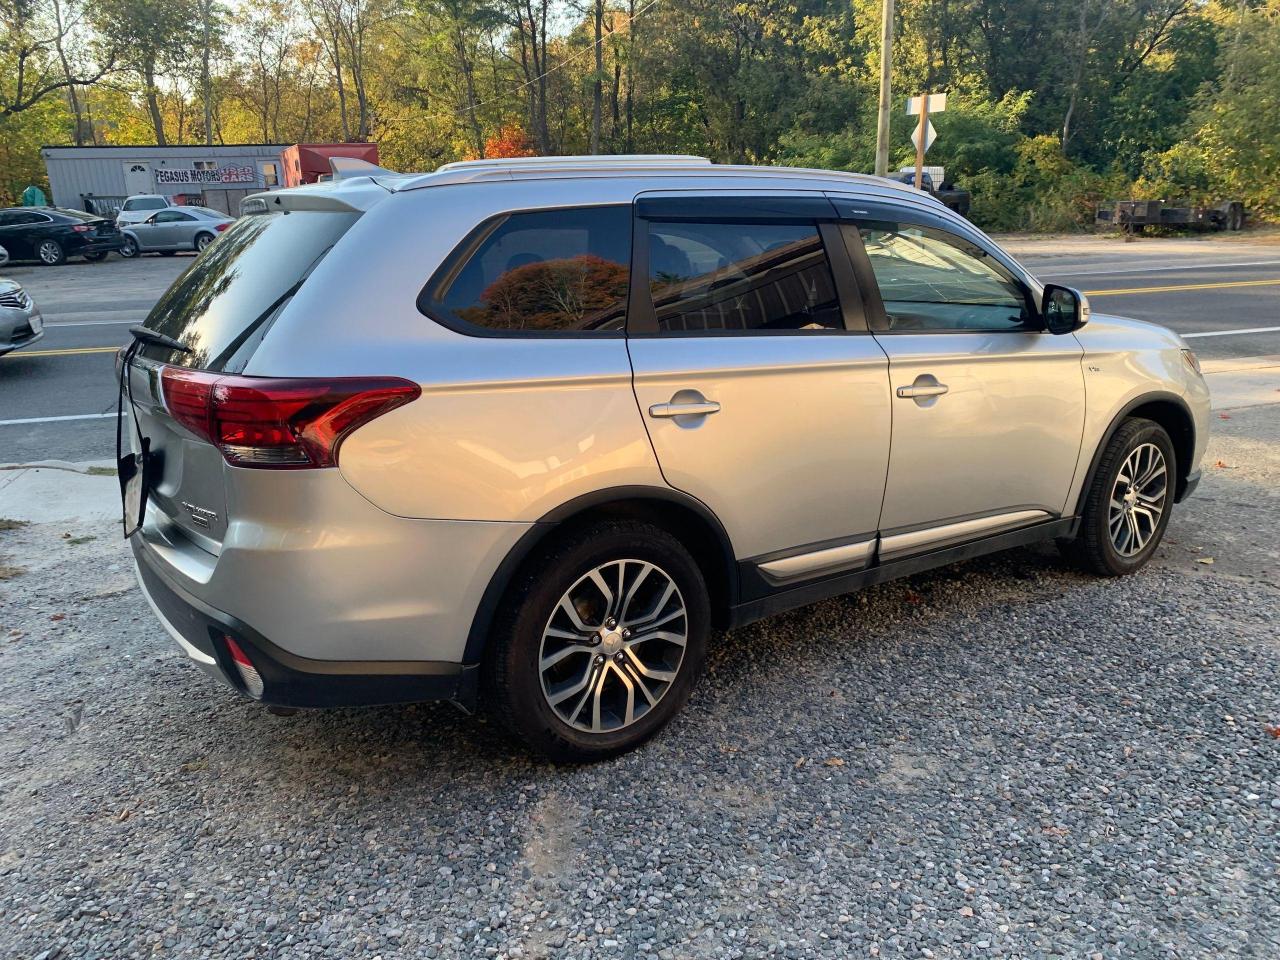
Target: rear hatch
<point x="220" y="309"/>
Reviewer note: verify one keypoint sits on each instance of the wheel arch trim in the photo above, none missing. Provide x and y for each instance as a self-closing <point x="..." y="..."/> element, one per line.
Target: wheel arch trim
<point x="581" y="507"/>
<point x="1127" y="411"/>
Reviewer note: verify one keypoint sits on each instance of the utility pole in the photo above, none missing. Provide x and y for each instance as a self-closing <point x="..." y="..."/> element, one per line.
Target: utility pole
<point x="886" y="73"/>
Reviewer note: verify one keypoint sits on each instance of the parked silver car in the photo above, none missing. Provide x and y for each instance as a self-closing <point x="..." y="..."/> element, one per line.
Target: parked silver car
<point x="20" y="320"/>
<point x="519" y="433"/>
<point x="172" y="229"/>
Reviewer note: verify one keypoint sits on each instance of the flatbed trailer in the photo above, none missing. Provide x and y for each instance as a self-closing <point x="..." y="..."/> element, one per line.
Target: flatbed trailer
<point x="1135" y="215"/>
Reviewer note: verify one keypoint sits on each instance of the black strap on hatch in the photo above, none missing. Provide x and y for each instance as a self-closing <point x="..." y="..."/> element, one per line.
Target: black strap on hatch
<point x="132" y="469"/>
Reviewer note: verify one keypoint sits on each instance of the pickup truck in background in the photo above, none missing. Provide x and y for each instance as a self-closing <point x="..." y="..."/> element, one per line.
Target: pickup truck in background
<point x="951" y="197"/>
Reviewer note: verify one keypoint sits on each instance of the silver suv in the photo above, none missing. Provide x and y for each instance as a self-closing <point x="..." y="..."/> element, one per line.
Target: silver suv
<point x="521" y="433"/>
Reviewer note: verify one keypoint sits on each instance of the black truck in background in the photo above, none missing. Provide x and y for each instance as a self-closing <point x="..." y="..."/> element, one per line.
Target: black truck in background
<point x="951" y="197"/>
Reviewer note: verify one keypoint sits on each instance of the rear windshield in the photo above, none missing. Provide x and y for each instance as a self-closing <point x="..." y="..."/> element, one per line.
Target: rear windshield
<point x="222" y="305"/>
<point x="150" y="203"/>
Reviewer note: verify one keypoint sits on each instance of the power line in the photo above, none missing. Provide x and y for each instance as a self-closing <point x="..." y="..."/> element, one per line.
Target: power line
<point x="590" y="48"/>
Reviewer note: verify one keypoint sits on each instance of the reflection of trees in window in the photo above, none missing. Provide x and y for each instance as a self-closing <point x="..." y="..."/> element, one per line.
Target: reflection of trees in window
<point x="786" y="287"/>
<point x="585" y="292"/>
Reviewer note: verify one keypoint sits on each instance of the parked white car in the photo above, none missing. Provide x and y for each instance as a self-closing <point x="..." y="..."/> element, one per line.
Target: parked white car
<point x="137" y="208"/>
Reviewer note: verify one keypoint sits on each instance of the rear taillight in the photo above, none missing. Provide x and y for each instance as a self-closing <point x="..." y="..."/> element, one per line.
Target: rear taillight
<point x="220" y="226"/>
<point x="244" y="666"/>
<point x="82" y="228"/>
<point x="281" y="424"/>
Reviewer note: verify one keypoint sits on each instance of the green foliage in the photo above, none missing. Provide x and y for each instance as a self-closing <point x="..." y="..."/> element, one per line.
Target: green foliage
<point x="21" y="136"/>
<point x="1233" y="147"/>
<point x="1052" y="107"/>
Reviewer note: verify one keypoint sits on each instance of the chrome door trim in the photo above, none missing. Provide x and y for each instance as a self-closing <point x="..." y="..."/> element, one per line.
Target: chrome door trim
<point x="848" y="556"/>
<point x="949" y="533"/>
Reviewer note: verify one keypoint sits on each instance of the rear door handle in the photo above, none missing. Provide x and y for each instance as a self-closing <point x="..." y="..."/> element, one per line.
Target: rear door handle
<point x="923" y="388"/>
<point x="927" y="390"/>
<point x="693" y="409"/>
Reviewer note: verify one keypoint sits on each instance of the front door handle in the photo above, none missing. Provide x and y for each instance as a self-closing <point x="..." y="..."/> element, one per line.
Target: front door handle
<point x="925" y="386"/>
<point x="699" y="408"/>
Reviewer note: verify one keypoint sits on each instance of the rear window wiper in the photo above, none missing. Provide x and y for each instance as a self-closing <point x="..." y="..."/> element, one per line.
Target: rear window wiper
<point x="148" y="336"/>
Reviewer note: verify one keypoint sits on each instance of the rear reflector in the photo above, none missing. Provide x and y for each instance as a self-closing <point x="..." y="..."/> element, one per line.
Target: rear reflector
<point x="248" y="672"/>
<point x="279" y="424"/>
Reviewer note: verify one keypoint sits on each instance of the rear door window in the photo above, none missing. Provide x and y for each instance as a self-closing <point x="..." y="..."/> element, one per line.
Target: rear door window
<point x="716" y="278"/>
<point x="222" y="304"/>
<point x="536" y="273"/>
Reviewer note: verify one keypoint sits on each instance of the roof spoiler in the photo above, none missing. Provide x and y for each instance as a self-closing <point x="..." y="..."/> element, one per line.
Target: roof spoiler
<point x="344" y="168"/>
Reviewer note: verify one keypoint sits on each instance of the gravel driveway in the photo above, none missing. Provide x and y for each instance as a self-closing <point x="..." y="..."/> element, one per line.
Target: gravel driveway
<point x="1002" y="759"/>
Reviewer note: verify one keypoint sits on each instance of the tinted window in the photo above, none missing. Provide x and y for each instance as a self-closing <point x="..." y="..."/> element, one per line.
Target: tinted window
<point x="225" y="300"/>
<point x="172" y="216"/>
<point x="145" y="203"/>
<point x="717" y="277"/>
<point x="546" y="271"/>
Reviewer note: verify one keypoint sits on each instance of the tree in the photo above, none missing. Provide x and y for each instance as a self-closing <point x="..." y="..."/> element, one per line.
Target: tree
<point x="155" y="37"/>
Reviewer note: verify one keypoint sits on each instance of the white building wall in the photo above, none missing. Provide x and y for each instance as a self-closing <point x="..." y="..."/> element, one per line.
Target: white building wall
<point x="77" y="171"/>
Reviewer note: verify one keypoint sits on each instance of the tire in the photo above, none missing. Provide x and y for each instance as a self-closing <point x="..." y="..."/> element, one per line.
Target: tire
<point x="1116" y="535"/>
<point x="96" y="257"/>
<point x="202" y="241"/>
<point x="599" y="670"/>
<point x="130" y="248"/>
<point x="50" y="253"/>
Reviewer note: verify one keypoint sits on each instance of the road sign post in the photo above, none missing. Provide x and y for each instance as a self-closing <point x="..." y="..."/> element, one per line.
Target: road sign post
<point x="924" y="134"/>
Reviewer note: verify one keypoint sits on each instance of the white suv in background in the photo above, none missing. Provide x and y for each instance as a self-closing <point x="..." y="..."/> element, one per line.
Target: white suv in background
<point x="520" y="433"/>
<point x="137" y="208"/>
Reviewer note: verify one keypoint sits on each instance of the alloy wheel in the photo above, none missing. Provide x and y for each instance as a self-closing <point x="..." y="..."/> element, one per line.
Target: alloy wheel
<point x="203" y="241"/>
<point x="613" y="646"/>
<point x="49" y="252"/>
<point x="1138" y="500"/>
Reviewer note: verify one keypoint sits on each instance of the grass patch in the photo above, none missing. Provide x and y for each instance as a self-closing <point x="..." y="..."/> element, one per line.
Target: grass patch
<point x="8" y="572"/>
<point x="101" y="471"/>
<point x="76" y="541"/>
<point x="6" y="524"/>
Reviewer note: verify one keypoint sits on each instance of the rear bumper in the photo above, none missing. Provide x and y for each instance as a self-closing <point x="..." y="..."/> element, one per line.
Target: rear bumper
<point x="289" y="680"/>
<point x="98" y="245"/>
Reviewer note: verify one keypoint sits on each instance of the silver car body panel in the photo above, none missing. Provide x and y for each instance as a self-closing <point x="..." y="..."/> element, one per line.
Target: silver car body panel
<point x="174" y="235"/>
<point x="20" y="321"/>
<point x="809" y="460"/>
<point x="1005" y="434"/>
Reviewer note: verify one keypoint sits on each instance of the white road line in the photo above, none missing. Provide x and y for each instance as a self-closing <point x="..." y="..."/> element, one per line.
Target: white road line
<point x="90" y="323"/>
<point x="1154" y="269"/>
<point x="78" y="416"/>
<point x="1231" y="333"/>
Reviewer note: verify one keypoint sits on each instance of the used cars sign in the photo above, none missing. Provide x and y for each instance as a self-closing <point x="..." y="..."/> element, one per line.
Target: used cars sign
<point x="227" y="174"/>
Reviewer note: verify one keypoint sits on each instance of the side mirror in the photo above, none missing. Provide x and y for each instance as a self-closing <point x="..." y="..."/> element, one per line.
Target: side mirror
<point x="1065" y="309"/>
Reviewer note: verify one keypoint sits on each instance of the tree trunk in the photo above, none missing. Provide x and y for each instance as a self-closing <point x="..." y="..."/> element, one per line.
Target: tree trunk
<point x="469" y="75"/>
<point x="73" y="96"/>
<point x="597" y="83"/>
<point x="153" y="104"/>
<point x="206" y="79"/>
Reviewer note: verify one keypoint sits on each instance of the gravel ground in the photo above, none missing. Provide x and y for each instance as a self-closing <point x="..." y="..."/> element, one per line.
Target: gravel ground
<point x="1002" y="759"/>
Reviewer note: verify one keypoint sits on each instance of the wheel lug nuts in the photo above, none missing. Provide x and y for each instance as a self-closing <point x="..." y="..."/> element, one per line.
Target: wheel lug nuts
<point x="626" y="634"/>
<point x="599" y="660"/>
<point x="611" y="623"/>
<point x="619" y="658"/>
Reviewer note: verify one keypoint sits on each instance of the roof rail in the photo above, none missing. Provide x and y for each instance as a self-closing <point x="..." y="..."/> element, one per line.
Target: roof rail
<point x="589" y="160"/>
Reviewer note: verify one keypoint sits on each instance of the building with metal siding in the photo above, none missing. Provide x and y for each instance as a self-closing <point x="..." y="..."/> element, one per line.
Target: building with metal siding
<point x="78" y="175"/>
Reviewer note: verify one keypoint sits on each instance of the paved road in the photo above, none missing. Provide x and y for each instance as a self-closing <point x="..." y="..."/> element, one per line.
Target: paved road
<point x="1214" y="291"/>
